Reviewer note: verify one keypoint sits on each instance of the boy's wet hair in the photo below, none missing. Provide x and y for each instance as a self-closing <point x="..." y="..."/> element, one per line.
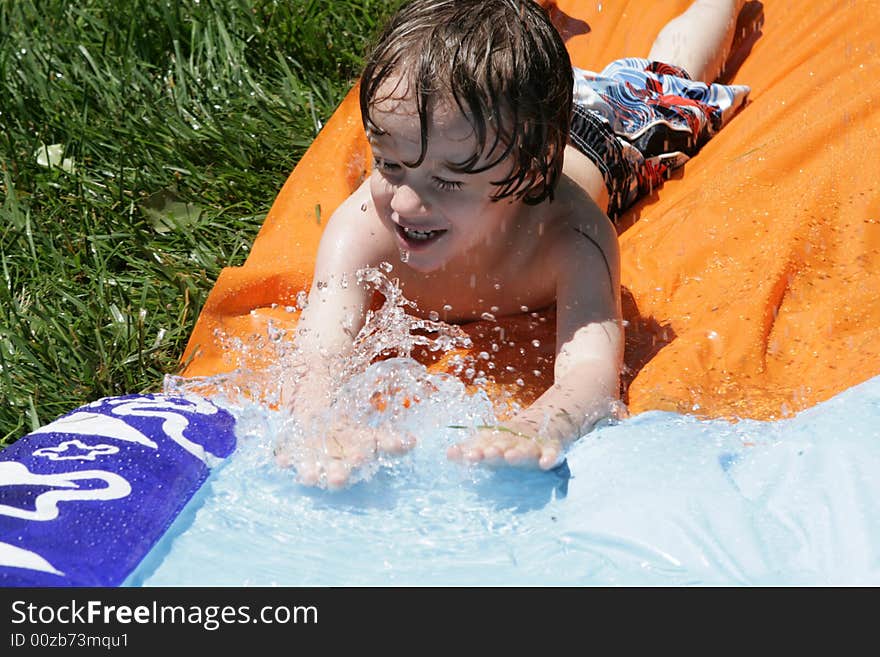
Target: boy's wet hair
<point x="507" y="70"/>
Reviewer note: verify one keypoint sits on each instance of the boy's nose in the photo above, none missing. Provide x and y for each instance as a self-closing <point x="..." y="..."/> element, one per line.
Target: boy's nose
<point x="406" y="201"/>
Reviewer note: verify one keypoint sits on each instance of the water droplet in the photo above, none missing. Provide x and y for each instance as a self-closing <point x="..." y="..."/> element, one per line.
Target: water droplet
<point x="404" y="255"/>
<point x="489" y="317"/>
<point x="536" y="343"/>
<point x="497" y="286"/>
<point x="386" y="267"/>
<point x="434" y="316"/>
<point x="446" y="308"/>
<point x="494" y="309"/>
<point x="524" y="309"/>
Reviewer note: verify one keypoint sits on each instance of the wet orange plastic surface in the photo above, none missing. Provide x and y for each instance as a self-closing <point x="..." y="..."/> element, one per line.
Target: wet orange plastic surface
<point x="751" y="279"/>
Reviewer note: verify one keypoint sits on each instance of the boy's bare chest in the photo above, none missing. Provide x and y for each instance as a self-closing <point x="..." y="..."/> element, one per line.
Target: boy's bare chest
<point x="468" y="295"/>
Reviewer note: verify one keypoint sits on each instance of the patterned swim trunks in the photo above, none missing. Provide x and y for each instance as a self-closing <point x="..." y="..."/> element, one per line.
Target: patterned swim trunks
<point x="638" y="120"/>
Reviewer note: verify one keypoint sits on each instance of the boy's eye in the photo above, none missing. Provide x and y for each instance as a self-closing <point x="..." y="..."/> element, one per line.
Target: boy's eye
<point x="447" y="185"/>
<point x="384" y="165"/>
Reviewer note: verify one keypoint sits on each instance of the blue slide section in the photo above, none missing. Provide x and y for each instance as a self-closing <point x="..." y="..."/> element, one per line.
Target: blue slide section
<point x="92" y="499"/>
<point x="84" y="498"/>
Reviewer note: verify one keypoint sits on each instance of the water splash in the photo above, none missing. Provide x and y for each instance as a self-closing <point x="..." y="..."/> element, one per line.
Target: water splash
<point x="392" y="330"/>
<point x="377" y="385"/>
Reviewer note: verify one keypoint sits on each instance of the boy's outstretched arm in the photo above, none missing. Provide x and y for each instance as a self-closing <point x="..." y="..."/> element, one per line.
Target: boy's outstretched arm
<point x="336" y="310"/>
<point x="336" y="303"/>
<point x="589" y="357"/>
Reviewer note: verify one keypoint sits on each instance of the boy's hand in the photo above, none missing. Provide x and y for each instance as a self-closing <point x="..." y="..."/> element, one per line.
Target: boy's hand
<point x="331" y="456"/>
<point x="504" y="446"/>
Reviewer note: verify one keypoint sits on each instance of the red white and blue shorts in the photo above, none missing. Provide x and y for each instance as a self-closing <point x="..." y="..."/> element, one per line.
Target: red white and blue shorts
<point x="639" y="119"/>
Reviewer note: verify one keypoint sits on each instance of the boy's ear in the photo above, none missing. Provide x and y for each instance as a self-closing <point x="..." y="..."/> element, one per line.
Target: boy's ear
<point x="538" y="168"/>
<point x="535" y="181"/>
<point x="542" y="168"/>
<point x="540" y="174"/>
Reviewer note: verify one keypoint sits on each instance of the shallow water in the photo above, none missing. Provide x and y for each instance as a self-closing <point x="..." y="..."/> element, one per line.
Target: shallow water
<point x="657" y="499"/>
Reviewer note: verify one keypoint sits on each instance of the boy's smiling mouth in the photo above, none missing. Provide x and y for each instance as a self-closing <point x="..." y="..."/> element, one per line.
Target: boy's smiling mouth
<point x="414" y="238"/>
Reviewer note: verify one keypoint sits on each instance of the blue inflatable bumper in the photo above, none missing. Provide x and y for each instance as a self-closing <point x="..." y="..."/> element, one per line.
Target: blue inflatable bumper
<point x="84" y="498"/>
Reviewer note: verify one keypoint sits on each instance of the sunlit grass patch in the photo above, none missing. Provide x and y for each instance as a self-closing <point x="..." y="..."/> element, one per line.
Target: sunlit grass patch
<point x="142" y="143"/>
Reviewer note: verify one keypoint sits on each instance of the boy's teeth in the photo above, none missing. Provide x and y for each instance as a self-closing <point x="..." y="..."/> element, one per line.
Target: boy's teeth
<point x="419" y="234"/>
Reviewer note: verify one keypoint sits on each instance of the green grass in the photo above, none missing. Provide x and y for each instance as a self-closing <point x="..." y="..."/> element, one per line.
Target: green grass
<point x="173" y="126"/>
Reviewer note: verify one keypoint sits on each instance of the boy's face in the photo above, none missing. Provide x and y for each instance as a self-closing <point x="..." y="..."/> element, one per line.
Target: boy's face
<point x="436" y="214"/>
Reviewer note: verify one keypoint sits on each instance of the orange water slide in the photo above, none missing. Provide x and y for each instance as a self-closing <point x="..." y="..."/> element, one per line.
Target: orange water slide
<point x="751" y="279"/>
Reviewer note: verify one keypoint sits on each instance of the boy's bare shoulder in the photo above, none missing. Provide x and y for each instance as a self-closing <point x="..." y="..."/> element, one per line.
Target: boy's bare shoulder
<point x="580" y="227"/>
<point x="354" y="231"/>
<point x="355" y="209"/>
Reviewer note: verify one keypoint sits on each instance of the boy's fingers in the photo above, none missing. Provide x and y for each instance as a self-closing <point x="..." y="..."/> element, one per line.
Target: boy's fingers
<point x="516" y="455"/>
<point x="308" y="475"/>
<point x="396" y="443"/>
<point x="338" y="473"/>
<point x="473" y="454"/>
<point x="493" y="453"/>
<point x="525" y="453"/>
<point x="463" y="452"/>
<point x="497" y="448"/>
<point x="283" y="458"/>
<point x="549" y="458"/>
<point x="388" y="444"/>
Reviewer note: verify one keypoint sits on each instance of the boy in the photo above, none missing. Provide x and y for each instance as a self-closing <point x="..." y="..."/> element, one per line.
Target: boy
<point x="489" y="191"/>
